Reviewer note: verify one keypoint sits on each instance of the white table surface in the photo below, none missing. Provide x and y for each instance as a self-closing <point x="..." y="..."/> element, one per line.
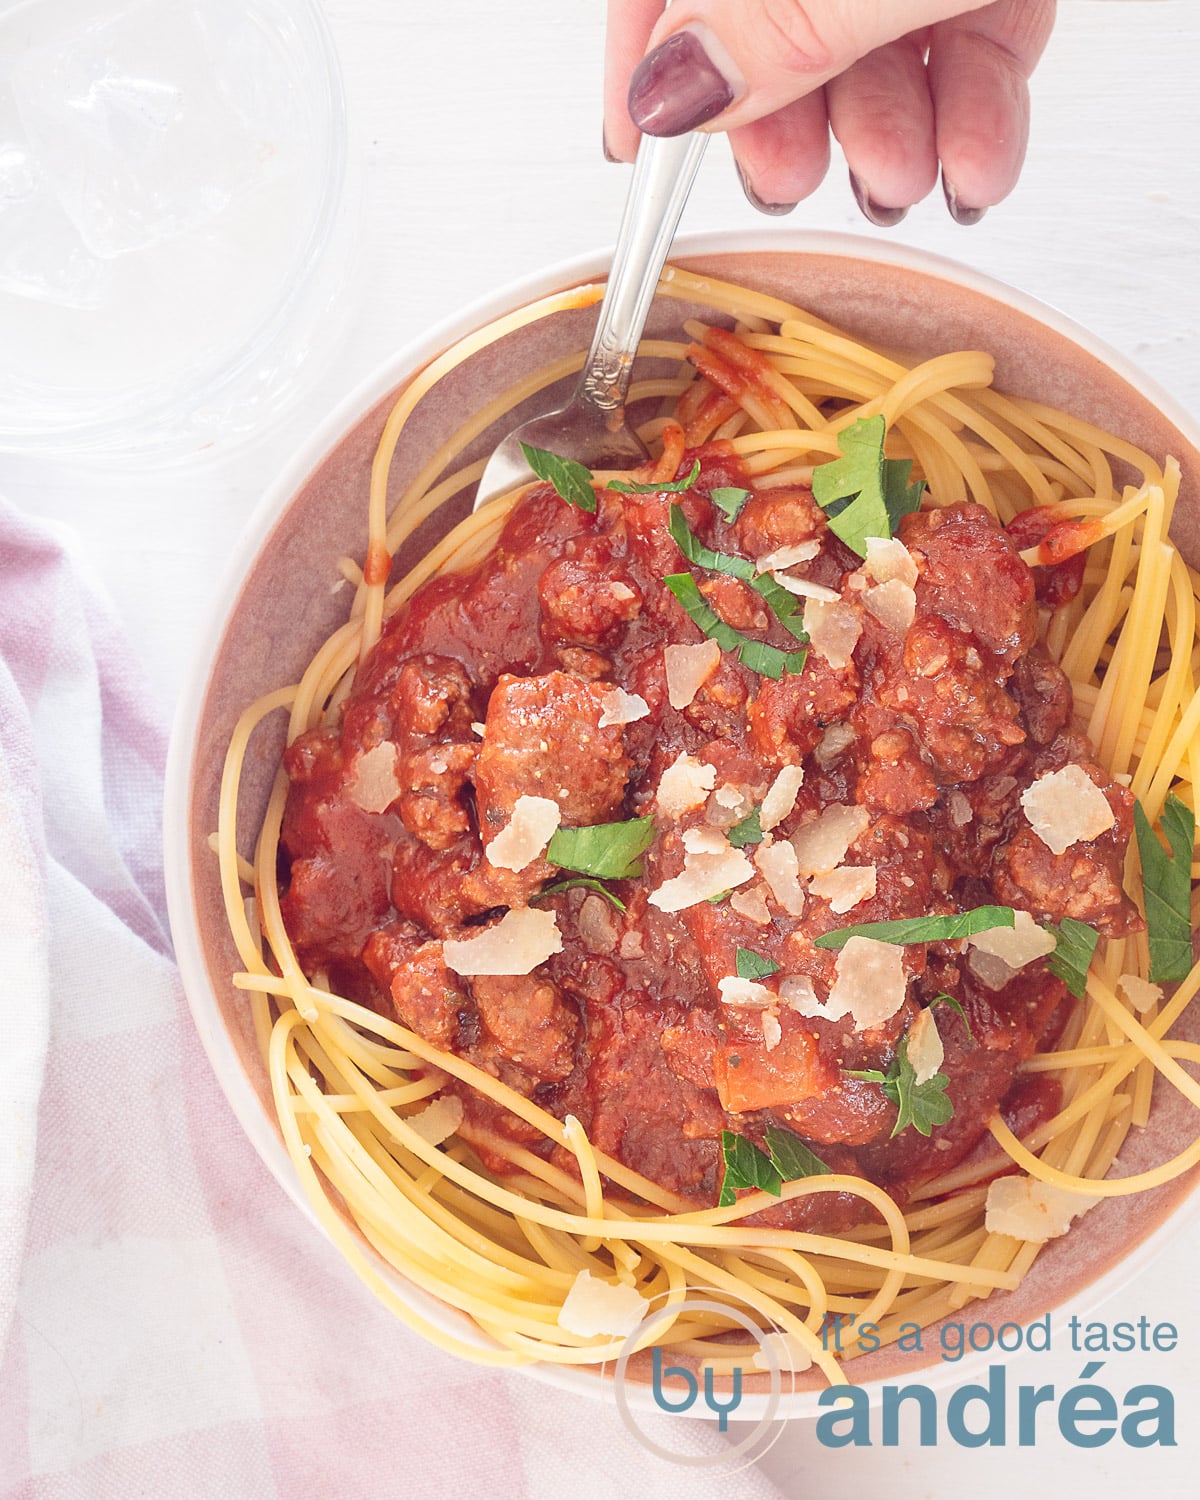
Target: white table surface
<point x="479" y="126"/>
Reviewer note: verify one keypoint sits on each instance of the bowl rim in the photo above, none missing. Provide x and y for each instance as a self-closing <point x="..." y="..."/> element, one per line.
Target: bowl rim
<point x="410" y="358"/>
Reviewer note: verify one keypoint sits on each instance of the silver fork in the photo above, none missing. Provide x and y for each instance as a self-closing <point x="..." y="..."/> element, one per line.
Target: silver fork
<point x="591" y="428"/>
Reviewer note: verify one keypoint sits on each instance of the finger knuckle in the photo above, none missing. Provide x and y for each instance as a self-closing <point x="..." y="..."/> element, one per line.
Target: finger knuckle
<point x="792" y="38"/>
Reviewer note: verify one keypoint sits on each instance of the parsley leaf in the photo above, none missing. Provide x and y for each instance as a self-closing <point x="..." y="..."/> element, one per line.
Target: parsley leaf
<point x="1073" y="955"/>
<point x="676" y="487"/>
<point x="751" y="965"/>
<point x="748" y="831"/>
<point x="782" y="602"/>
<point x="580" y="882"/>
<point x="944" y="999"/>
<point x="745" y="1167"/>
<point x="730" y="500"/>
<point x="921" y="1105"/>
<point x="571" y="481"/>
<point x="862" y="493"/>
<point x="923" y="929"/>
<point x="766" y="660"/>
<point x="607" y="850"/>
<point x="791" y="1158"/>
<point x="1167" y="888"/>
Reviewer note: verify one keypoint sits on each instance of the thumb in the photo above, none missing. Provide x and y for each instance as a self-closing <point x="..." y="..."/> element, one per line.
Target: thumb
<point x="728" y="62"/>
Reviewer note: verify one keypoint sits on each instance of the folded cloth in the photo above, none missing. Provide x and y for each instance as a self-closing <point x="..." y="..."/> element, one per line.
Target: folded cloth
<point x="170" y="1325"/>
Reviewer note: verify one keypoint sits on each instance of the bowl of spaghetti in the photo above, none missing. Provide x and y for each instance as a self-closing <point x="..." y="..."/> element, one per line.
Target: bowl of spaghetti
<point x="762" y="879"/>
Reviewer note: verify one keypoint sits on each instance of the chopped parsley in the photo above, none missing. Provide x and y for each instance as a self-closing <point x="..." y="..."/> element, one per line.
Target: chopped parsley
<point x="571" y="481"/>
<point x="751" y="965"/>
<point x="1076" y="942"/>
<point x="746" y="1166"/>
<point x="783" y="604"/>
<point x="748" y="831"/>
<point x="729" y="499"/>
<point x="580" y="882"/>
<point x="767" y="661"/>
<point x="676" y="487"/>
<point x="921" y="1105"/>
<point x="923" y="929"/>
<point x="864" y="494"/>
<point x="609" y="851"/>
<point x="1167" y="888"/>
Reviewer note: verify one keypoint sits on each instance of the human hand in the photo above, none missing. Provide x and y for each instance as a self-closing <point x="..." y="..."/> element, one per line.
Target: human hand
<point x="903" y="84"/>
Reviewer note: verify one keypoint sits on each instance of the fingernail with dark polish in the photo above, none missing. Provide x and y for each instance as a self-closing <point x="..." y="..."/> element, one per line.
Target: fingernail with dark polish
<point x="677" y="87"/>
<point x="608" y="156"/>
<point x="959" y="211"/>
<point x="777" y="209"/>
<point x="875" y="212"/>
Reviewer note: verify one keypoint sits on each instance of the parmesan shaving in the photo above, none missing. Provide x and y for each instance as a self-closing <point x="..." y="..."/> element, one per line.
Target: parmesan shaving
<point x="688" y="669"/>
<point x="1017" y="945"/>
<point x="961" y="811"/>
<point x="804" y="588"/>
<point x="787" y="557"/>
<point x="516" y="944"/>
<point x="438" y="1121"/>
<point x="870" y="985"/>
<point x="778" y="867"/>
<point x="924" y="1048"/>
<point x="736" y="991"/>
<point x="798" y="994"/>
<point x="772" y="1031"/>
<point x="707" y="872"/>
<point x="822" y="842"/>
<point x="374" y="782"/>
<point x="833" y="630"/>
<point x="1066" y="807"/>
<point x="788" y="1352"/>
<point x="684" y="785"/>
<point x="893" y="604"/>
<point x="889" y="560"/>
<point x="533" y="822"/>
<point x="781" y="797"/>
<point x="730" y="796"/>
<point x="752" y="905"/>
<point x="846" y="887"/>
<point x="1140" y="993"/>
<point x="1026" y="1209"/>
<point x="619" y="707"/>
<point x="593" y="1307"/>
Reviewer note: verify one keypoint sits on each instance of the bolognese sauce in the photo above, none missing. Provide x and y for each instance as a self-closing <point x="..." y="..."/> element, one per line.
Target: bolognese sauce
<point x="885" y="776"/>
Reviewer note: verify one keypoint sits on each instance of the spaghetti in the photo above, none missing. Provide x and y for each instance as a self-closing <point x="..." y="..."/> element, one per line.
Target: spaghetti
<point x="388" y="1175"/>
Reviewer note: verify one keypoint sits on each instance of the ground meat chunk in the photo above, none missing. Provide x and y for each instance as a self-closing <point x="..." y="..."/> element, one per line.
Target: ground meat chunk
<point x="1084" y="881"/>
<point x="780" y="518"/>
<point x="427" y="996"/>
<point x="586" y="597"/>
<point x="972" y="574"/>
<point x="542" y="738"/>
<point x="788" y="717"/>
<point x="1044" y="694"/>
<point x="530" y="1022"/>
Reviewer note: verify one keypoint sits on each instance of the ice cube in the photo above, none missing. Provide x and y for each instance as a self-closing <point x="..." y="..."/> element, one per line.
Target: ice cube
<point x="41" y="253"/>
<point x="131" y="129"/>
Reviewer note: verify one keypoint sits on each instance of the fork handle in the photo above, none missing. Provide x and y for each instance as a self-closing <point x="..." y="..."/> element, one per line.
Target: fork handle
<point x="663" y="174"/>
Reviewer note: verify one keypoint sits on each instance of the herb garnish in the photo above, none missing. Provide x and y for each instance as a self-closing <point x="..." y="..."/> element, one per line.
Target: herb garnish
<point x="751" y="965"/>
<point x="571" y="481"/>
<point x="1167" y="887"/>
<point x="921" y="1105"/>
<point x="580" y="882"/>
<point x="609" y="851"/>
<point x="767" y="661"/>
<point x="782" y="603"/>
<point x="748" y="831"/>
<point x="748" y="1167"/>
<point x="729" y="499"/>
<point x="862" y="493"/>
<point x="944" y="999"/>
<point x="1076" y="942"/>
<point x="935" y="929"/>
<point x="676" y="487"/>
